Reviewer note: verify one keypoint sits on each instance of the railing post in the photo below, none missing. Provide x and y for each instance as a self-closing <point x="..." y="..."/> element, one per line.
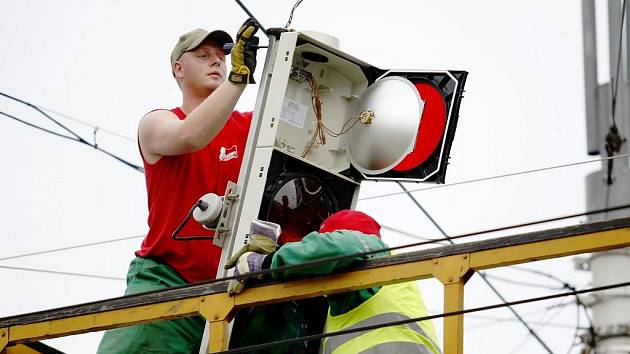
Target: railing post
<point x="219" y="336"/>
<point x="453" y="272"/>
<point x="4" y="338"/>
<point x="217" y="309"/>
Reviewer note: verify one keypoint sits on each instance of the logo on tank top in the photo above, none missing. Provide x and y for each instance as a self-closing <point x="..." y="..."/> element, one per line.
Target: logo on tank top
<point x="226" y="154"/>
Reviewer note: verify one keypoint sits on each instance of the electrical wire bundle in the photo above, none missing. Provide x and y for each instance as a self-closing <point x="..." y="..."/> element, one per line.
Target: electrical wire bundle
<point x="321" y="129"/>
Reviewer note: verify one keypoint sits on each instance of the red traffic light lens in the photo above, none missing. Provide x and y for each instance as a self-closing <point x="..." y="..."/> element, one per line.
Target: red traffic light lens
<point x="299" y="204"/>
<point x="431" y="129"/>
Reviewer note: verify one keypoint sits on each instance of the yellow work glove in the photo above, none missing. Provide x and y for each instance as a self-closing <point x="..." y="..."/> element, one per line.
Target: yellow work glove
<point x="247" y="262"/>
<point x="263" y="236"/>
<point x="244" y="54"/>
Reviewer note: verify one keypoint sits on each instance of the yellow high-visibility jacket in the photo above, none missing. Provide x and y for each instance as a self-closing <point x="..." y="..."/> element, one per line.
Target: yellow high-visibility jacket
<point x="362" y="307"/>
<point x="391" y="303"/>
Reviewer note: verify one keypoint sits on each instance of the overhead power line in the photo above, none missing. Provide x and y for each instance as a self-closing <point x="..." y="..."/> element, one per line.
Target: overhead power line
<point x="88" y="124"/>
<point x="512" y="174"/>
<point x="408" y="234"/>
<point x="72" y="135"/>
<point x="523" y="283"/>
<point x="424" y="318"/>
<point x="494" y="321"/>
<point x="328" y="260"/>
<point x="61" y="273"/>
<point x="481" y="274"/>
<point x="427" y="242"/>
<point x="70" y="247"/>
<point x="578" y="301"/>
<point x="68" y="117"/>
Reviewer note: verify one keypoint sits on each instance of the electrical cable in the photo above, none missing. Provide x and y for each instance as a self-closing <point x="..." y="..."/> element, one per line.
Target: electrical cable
<point x="319" y="135"/>
<point x="494" y="321"/>
<point x="405" y="233"/>
<point x="37" y="126"/>
<point x="424" y="318"/>
<point x="325" y="260"/>
<point x="74" y="137"/>
<point x="70" y="247"/>
<point x="88" y="124"/>
<point x="291" y="15"/>
<point x="316" y="102"/>
<point x="541" y="324"/>
<point x="481" y="274"/>
<point x="316" y="262"/>
<point x="61" y="273"/>
<point x="522" y="283"/>
<point x="512" y="174"/>
<point x="577" y="330"/>
<point x="516" y="314"/>
<point x="578" y="301"/>
<point x="250" y="14"/>
<point x="175" y="235"/>
<point x="514" y="226"/>
<point x="328" y="259"/>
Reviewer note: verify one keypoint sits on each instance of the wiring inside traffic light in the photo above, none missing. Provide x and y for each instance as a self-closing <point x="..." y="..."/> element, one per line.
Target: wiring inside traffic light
<point x="321" y="130"/>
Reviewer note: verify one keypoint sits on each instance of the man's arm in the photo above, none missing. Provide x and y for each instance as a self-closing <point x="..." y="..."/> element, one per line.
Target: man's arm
<point x="161" y="133"/>
<point x="316" y="246"/>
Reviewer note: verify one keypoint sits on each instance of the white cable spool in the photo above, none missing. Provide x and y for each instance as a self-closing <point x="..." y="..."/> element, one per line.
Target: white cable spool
<point x="209" y="217"/>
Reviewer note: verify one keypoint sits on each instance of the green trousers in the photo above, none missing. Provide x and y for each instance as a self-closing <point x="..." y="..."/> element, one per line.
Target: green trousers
<point x="172" y="337"/>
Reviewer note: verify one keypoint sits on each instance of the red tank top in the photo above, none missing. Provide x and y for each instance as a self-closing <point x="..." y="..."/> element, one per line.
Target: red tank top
<point x="175" y="183"/>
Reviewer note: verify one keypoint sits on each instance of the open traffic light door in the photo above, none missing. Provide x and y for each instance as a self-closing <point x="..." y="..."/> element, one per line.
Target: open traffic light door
<point x="408" y="126"/>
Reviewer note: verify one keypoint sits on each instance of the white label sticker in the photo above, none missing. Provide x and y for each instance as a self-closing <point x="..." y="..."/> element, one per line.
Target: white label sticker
<point x="293" y="112"/>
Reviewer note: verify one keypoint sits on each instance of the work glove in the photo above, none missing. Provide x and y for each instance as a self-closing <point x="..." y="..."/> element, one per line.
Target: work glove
<point x="244" y="54"/>
<point x="263" y="238"/>
<point x="247" y="262"/>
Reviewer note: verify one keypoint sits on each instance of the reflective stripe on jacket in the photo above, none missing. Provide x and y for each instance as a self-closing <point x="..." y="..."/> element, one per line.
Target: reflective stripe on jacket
<point x="392" y="303"/>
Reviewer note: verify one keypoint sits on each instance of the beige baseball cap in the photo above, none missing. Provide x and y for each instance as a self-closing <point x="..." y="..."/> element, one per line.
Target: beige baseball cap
<point x="191" y="40"/>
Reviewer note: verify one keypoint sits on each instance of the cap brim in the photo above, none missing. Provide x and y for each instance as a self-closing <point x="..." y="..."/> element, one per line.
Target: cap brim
<point x="221" y="37"/>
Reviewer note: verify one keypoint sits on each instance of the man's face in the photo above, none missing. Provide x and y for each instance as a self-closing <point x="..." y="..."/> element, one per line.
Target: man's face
<point x="202" y="68"/>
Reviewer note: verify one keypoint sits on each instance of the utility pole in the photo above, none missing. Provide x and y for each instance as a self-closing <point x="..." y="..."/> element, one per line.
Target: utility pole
<point x="607" y="132"/>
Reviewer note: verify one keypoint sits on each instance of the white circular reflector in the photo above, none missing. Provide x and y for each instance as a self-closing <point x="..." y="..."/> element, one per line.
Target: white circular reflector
<point x="376" y="147"/>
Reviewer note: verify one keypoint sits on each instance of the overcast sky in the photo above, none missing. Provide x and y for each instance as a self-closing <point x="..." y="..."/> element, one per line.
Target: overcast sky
<point x="107" y="63"/>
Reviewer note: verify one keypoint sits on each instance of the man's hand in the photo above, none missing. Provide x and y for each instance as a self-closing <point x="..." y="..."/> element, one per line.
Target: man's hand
<point x="244" y="54"/>
<point x="247" y="262"/>
<point x="262" y="239"/>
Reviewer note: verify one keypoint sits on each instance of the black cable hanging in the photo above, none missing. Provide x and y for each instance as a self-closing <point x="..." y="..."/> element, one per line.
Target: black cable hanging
<point x="481" y="274"/>
<point x="292" y="11"/>
<point x="74" y="137"/>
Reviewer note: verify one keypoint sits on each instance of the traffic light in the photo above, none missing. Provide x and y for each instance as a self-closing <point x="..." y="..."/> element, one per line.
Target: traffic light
<point x="324" y="121"/>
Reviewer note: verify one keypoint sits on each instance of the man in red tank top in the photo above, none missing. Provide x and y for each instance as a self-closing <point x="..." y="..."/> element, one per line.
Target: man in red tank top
<point x="187" y="152"/>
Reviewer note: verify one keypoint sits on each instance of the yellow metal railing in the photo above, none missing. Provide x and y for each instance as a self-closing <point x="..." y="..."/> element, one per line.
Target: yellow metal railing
<point x="451" y="265"/>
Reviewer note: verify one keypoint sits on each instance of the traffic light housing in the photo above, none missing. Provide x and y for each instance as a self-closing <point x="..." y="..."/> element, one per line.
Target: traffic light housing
<point x="325" y="121"/>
